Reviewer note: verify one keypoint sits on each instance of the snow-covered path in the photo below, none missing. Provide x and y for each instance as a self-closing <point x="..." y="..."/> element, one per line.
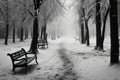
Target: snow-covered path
<point x="53" y="63"/>
<point x="89" y="64"/>
<point x="69" y="73"/>
<point x="65" y="59"/>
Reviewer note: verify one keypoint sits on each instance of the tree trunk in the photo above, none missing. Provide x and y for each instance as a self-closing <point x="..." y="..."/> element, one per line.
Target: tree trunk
<point x="87" y="33"/>
<point x="114" y="58"/>
<point x="41" y="36"/>
<point x="82" y="34"/>
<point x="98" y="26"/>
<point x="21" y="34"/>
<point x="31" y="32"/>
<point x="18" y="33"/>
<point x="87" y="29"/>
<point x="7" y="25"/>
<point x="43" y="32"/>
<point x="26" y="34"/>
<point x="13" y="33"/>
<point x="104" y="26"/>
<point x="33" y="47"/>
<point x="34" y="42"/>
<point x="7" y="31"/>
<point x="46" y="37"/>
<point x="81" y="16"/>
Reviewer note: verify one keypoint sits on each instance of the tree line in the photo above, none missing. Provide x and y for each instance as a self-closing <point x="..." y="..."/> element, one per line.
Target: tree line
<point x="17" y="16"/>
<point x="99" y="11"/>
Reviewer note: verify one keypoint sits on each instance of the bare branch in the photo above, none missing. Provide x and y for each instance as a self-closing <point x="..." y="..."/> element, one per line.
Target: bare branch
<point x="1" y="11"/>
<point x="43" y="1"/>
<point x="2" y="4"/>
<point x="3" y="14"/>
<point x="30" y="12"/>
<point x="26" y="9"/>
<point x="62" y="5"/>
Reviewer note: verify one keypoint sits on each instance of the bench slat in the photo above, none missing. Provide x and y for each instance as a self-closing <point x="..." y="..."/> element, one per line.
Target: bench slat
<point x="23" y="62"/>
<point x="18" y="54"/>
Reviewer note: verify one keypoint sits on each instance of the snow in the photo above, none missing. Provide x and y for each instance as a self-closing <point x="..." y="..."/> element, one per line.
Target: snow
<point x="65" y="59"/>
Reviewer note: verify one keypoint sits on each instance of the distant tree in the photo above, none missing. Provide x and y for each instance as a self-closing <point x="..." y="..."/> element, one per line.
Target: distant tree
<point x="23" y="15"/>
<point x="86" y="18"/>
<point x="87" y="10"/>
<point x="98" y="11"/>
<point x="21" y="33"/>
<point x="4" y="9"/>
<point x="114" y="58"/>
<point x="23" y="8"/>
<point x="13" y="17"/>
<point x="43" y="32"/>
<point x="13" y="32"/>
<point x="7" y="23"/>
<point x="26" y="33"/>
<point x="10" y="13"/>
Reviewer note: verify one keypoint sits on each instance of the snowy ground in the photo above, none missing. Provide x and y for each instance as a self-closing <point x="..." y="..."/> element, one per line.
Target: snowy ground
<point x="65" y="59"/>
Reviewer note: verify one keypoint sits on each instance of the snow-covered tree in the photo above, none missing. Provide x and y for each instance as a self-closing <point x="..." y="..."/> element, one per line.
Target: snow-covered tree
<point x="44" y="10"/>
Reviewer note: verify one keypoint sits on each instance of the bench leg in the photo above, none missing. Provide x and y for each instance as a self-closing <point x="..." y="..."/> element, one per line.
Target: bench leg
<point x="13" y="69"/>
<point x="36" y="59"/>
<point x="42" y="47"/>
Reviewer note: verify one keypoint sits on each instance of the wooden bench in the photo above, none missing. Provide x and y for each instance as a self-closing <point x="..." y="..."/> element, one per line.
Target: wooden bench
<point x="21" y="58"/>
<point x="46" y="43"/>
<point x="42" y="44"/>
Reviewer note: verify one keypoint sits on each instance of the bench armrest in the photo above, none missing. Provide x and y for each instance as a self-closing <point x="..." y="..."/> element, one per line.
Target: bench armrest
<point x="31" y="53"/>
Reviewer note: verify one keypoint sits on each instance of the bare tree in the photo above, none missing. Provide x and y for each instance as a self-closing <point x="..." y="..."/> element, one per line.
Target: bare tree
<point x="42" y="5"/>
<point x="99" y="10"/>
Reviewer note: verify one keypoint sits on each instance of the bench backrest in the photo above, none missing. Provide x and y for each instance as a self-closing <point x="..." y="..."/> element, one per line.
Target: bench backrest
<point x="17" y="54"/>
<point x="42" y="41"/>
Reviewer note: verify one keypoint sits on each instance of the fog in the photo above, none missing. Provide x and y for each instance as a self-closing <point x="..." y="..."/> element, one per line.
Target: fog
<point x="65" y="25"/>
